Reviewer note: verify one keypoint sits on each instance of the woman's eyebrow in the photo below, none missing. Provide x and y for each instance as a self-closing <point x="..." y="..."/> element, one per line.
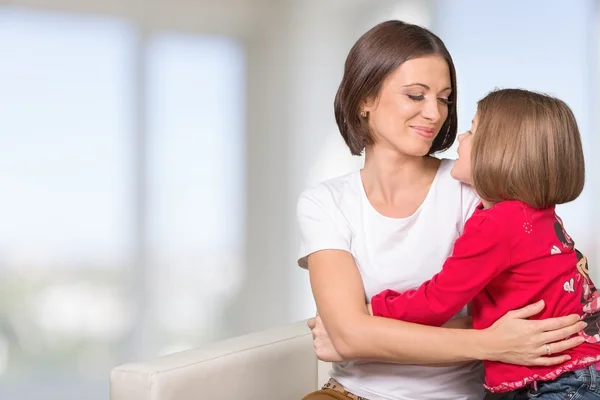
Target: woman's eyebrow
<point x="418" y="84"/>
<point x="425" y="86"/>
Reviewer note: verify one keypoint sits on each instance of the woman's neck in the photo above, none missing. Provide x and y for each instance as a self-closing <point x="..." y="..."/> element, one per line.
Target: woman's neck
<point x="389" y="175"/>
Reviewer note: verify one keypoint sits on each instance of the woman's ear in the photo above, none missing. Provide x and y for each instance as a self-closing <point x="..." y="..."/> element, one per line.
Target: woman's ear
<point x="369" y="104"/>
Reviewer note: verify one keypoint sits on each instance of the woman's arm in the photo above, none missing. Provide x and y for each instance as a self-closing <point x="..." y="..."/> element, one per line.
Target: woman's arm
<point x="339" y="294"/>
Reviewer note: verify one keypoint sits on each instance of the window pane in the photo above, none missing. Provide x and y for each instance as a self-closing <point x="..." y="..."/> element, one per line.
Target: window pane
<point x="65" y="173"/>
<point x="196" y="123"/>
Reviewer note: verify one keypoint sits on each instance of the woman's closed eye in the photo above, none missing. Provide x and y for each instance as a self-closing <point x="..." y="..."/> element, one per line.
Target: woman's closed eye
<point x="420" y="97"/>
<point x="415" y="97"/>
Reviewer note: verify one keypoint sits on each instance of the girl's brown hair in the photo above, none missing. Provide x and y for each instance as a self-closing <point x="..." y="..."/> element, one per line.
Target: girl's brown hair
<point x="527" y="147"/>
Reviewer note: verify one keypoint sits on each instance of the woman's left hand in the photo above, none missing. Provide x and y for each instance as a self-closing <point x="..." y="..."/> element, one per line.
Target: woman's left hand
<point x="324" y="348"/>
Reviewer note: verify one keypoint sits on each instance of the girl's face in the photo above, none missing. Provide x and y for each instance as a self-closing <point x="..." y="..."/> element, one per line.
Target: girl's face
<point x="411" y="107"/>
<point x="462" y="167"/>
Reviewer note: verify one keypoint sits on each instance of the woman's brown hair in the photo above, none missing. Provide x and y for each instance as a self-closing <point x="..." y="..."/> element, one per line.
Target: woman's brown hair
<point x="526" y="147"/>
<point x="372" y="58"/>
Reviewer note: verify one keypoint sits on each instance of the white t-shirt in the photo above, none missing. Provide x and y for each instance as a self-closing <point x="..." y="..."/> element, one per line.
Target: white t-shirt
<point x="392" y="253"/>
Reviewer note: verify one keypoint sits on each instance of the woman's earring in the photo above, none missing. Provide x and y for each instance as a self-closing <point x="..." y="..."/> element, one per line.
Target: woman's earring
<point x="363" y="114"/>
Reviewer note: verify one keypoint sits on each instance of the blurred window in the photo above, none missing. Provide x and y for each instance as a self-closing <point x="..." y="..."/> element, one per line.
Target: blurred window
<point x="68" y="227"/>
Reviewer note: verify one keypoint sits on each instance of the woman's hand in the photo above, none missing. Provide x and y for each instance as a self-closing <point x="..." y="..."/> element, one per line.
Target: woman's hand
<point x="515" y="340"/>
<point x="321" y="342"/>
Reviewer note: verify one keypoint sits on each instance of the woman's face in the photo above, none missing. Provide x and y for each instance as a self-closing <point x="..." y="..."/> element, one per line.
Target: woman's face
<point x="462" y="167"/>
<point x="412" y="106"/>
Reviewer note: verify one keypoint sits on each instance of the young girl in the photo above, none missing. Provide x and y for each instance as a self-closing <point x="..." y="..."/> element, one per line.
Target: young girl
<point x="523" y="155"/>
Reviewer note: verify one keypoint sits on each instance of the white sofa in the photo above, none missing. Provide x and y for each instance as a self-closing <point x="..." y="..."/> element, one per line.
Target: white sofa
<point x="277" y="364"/>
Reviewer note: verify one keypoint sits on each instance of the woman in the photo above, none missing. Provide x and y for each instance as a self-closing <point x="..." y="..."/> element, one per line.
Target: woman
<point x="397" y="103"/>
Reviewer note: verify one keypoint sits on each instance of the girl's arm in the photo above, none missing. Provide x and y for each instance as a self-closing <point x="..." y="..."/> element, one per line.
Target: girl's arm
<point x="454" y="323"/>
<point x="479" y="256"/>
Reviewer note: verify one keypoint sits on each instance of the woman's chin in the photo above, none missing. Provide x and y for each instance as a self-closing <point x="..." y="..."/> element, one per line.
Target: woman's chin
<point x="419" y="149"/>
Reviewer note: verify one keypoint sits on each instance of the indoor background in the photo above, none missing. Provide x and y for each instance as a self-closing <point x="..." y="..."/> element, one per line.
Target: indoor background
<point x="151" y="155"/>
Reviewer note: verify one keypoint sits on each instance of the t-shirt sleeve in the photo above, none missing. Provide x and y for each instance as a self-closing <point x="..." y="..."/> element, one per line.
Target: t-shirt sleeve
<point x="321" y="225"/>
<point x="479" y="256"/>
<point x="470" y="201"/>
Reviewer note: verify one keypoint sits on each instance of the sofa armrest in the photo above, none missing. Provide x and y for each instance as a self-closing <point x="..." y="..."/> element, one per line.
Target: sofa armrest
<point x="278" y="363"/>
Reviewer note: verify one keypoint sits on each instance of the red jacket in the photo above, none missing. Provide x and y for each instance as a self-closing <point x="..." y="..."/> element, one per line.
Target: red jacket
<point x="509" y="256"/>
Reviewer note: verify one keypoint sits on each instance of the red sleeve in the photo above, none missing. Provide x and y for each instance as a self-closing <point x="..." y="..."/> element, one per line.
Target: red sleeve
<point x="479" y="255"/>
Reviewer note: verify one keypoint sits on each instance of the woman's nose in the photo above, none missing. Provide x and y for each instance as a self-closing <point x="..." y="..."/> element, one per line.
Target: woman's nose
<point x="460" y="137"/>
<point x="431" y="110"/>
